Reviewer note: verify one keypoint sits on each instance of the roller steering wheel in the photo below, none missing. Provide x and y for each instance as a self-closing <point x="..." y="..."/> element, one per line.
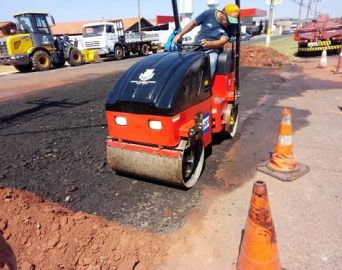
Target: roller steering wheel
<point x="189" y="47"/>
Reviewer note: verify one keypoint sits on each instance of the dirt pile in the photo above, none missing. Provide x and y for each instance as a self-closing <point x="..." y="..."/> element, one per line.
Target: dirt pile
<point x="44" y="235"/>
<point x="257" y="56"/>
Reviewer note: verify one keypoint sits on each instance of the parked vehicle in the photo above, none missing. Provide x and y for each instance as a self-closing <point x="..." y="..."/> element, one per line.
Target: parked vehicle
<point x="34" y="46"/>
<point x="320" y="34"/>
<point x="288" y="32"/>
<point x="245" y="36"/>
<point x="253" y="30"/>
<point x="110" y="39"/>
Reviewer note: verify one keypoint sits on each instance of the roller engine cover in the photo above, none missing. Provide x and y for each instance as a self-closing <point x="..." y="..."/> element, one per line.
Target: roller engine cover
<point x="162" y="84"/>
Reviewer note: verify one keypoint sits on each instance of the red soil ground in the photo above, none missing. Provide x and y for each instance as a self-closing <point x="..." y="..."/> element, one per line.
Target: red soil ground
<point x="44" y="235"/>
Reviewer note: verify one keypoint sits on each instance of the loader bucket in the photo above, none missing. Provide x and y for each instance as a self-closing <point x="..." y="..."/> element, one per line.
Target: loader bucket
<point x="91" y="56"/>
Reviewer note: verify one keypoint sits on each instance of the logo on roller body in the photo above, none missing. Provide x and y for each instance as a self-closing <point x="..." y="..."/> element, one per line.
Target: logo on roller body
<point x="148" y="74"/>
<point x="144" y="78"/>
<point x="206" y="123"/>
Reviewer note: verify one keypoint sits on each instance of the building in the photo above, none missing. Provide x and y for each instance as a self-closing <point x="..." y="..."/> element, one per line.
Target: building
<point x="74" y="29"/>
<point x="282" y="25"/>
<point x="7" y="28"/>
<point x="253" y="20"/>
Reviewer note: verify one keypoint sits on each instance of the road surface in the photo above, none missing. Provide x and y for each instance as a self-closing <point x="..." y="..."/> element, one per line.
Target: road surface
<point x="53" y="141"/>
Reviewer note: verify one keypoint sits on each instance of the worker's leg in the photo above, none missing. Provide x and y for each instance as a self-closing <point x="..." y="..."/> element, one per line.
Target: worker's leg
<point x="213" y="56"/>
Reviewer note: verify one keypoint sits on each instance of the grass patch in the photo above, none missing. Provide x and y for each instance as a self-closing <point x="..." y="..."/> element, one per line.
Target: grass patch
<point x="285" y="45"/>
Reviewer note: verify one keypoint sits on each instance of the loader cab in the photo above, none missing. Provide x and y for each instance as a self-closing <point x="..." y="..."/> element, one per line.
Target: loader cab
<point x="35" y="24"/>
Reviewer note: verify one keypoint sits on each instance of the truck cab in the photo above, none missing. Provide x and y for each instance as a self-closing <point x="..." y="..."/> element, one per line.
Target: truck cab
<point x="102" y="36"/>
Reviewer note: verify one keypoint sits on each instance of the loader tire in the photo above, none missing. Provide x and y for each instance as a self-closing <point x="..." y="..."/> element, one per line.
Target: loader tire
<point x="118" y="53"/>
<point x="41" y="60"/>
<point x="143" y="50"/>
<point x="23" y="68"/>
<point x="75" y="57"/>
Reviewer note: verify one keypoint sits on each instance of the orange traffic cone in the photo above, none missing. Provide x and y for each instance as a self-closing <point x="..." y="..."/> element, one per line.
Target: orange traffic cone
<point x="339" y="65"/>
<point x="282" y="159"/>
<point x="259" y="249"/>
<point x="282" y="164"/>
<point x="323" y="62"/>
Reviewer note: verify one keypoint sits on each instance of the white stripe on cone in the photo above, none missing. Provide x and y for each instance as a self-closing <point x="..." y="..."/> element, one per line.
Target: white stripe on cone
<point x="284" y="140"/>
<point x="323" y="61"/>
<point x="286" y="120"/>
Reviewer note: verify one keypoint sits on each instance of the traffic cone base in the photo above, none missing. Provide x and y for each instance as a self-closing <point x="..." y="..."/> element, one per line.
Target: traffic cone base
<point x="284" y="176"/>
<point x="282" y="164"/>
<point x="259" y="249"/>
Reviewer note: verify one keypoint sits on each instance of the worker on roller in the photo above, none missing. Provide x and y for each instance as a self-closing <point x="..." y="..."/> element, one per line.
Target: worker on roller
<point x="216" y="28"/>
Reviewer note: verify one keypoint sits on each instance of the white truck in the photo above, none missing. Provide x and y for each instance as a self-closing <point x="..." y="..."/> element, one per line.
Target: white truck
<point x="110" y="39"/>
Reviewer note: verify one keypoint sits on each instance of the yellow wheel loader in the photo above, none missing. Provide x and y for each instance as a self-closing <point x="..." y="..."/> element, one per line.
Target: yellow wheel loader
<point x="34" y="47"/>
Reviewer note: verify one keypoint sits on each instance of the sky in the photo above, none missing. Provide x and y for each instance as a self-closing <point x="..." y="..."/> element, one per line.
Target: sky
<point x="84" y="10"/>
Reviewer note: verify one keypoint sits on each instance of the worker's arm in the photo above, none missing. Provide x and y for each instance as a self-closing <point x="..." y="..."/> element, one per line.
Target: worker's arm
<point x="191" y="25"/>
<point x="214" y="44"/>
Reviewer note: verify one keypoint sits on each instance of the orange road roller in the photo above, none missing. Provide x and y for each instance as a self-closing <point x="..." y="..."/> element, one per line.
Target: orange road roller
<point x="164" y="110"/>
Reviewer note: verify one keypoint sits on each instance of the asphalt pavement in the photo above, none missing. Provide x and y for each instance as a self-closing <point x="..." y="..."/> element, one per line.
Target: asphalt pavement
<point x="54" y="140"/>
<point x="53" y="132"/>
<point x="306" y="212"/>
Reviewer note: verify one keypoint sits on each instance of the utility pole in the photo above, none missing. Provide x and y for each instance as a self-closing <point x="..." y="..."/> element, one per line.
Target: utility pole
<point x="301" y="4"/>
<point x="139" y="16"/>
<point x="270" y="24"/>
<point x="315" y="15"/>
<point x="308" y="11"/>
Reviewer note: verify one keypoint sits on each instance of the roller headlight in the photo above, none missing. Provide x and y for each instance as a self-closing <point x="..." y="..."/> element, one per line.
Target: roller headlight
<point x="120" y="120"/>
<point x="156" y="125"/>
